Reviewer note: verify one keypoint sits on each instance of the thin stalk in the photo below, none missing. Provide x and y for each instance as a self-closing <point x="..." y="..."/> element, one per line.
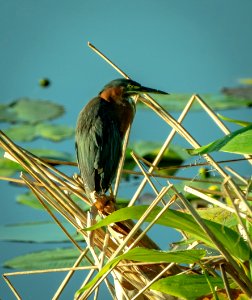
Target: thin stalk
<point x="162" y="151"/>
<point x="51" y="213"/>
<point x="12" y="288"/>
<point x="213" y="201"/>
<point x="69" y="275"/>
<point x="225" y="281"/>
<point x="239" y="216"/>
<point x="107" y="60"/>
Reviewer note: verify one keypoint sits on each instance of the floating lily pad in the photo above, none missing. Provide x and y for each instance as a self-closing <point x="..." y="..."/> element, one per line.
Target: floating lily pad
<point x="30" y="111"/>
<point x="54" y="132"/>
<point x="31" y="200"/>
<point x="21" y="133"/>
<point x="36" y="232"/>
<point x="8" y="168"/>
<point x="177" y="102"/>
<point x="239" y="92"/>
<point x="53" y="154"/>
<point x="175" y="155"/>
<point x="29" y="132"/>
<point x="48" y="259"/>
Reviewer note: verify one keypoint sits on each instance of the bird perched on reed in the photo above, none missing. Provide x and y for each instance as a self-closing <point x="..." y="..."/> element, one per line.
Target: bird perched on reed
<point x="100" y="131"/>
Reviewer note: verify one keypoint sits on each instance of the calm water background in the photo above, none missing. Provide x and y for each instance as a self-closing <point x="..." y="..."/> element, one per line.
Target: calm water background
<point x="177" y="46"/>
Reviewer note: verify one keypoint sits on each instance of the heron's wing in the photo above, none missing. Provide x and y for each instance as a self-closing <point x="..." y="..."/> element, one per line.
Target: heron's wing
<point x="98" y="145"/>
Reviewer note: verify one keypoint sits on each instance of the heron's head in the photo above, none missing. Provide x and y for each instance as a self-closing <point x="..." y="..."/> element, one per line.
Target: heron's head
<point x="125" y="88"/>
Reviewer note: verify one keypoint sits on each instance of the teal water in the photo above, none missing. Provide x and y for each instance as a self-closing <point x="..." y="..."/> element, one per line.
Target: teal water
<point x="181" y="47"/>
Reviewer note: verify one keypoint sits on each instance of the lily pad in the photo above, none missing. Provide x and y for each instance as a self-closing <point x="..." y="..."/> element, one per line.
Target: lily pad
<point x="36" y="232"/>
<point x="9" y="168"/>
<point x="29" y="132"/>
<point x="21" y="133"/>
<point x="30" y="111"/>
<point x="54" y="132"/>
<point x="53" y="154"/>
<point x="48" y="259"/>
<point x="29" y="199"/>
<point x="244" y="92"/>
<point x="175" y="155"/>
<point x="177" y="102"/>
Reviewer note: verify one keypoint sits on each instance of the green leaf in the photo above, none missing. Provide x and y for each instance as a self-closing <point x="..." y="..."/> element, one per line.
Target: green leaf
<point x="54" y="132"/>
<point x="177" y="102"/>
<point x="36" y="232"/>
<point x="188" y="287"/>
<point x="30" y="111"/>
<point x="238" y="122"/>
<point x="29" y="132"/>
<point x="238" y="142"/>
<point x="231" y="240"/>
<point x="150" y="255"/>
<point x="49" y="259"/>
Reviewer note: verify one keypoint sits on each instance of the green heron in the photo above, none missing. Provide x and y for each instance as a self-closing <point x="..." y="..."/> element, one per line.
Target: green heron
<point x="100" y="131"/>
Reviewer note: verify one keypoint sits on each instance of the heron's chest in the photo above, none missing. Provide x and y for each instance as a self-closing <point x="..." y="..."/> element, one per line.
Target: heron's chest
<point x="124" y="114"/>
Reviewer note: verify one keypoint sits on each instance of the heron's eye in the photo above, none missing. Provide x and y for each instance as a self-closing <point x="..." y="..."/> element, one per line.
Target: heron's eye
<point x="132" y="87"/>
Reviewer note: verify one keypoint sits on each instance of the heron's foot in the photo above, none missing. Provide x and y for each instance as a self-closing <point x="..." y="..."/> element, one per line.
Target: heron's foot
<point x="105" y="204"/>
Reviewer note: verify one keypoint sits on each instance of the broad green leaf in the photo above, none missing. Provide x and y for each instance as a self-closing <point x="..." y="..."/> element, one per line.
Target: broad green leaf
<point x="219" y="215"/>
<point x="238" y="142"/>
<point x="36" y="232"/>
<point x="231" y="240"/>
<point x="177" y="102"/>
<point x="188" y="287"/>
<point x="54" y="132"/>
<point x="150" y="255"/>
<point x="49" y="259"/>
<point x="29" y="132"/>
<point x="238" y="122"/>
<point x="30" y="111"/>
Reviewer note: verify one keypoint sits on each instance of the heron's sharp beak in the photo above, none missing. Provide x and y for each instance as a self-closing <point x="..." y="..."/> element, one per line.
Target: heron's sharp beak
<point x="144" y="89"/>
